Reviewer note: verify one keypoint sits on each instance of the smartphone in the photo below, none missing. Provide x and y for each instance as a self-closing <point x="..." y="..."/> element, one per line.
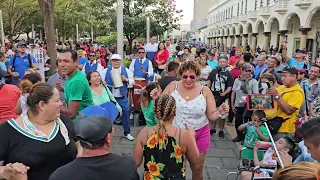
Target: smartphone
<point x="269" y="85"/>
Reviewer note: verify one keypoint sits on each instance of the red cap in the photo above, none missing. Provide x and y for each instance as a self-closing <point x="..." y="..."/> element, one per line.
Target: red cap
<point x="301" y="70"/>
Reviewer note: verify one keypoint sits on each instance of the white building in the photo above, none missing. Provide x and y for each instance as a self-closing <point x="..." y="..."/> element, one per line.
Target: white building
<point x="263" y="23"/>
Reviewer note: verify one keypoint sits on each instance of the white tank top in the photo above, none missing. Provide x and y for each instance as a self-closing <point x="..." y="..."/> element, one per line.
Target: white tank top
<point x="192" y="113"/>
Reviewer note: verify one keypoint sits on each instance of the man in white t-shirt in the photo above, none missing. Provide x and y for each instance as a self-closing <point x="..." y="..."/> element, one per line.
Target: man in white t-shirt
<point x="151" y="48"/>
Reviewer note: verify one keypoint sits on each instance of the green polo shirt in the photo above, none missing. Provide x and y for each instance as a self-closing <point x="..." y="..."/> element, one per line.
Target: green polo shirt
<point x="77" y="89"/>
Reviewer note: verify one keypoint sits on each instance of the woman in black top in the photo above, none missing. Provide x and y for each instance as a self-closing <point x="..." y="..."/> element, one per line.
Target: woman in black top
<point x="37" y="142"/>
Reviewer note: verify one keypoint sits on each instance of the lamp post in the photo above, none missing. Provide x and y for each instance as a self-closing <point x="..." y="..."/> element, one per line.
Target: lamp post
<point x="120" y="28"/>
<point x="77" y="32"/>
<point x="1" y="27"/>
<point x="148" y="29"/>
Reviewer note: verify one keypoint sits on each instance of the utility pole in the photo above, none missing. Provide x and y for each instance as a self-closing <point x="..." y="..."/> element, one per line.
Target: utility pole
<point x="120" y="29"/>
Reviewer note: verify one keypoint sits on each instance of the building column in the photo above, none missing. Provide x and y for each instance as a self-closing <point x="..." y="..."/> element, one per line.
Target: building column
<point x="228" y="41"/>
<point x="244" y="41"/>
<point x="303" y="39"/>
<point x="266" y="41"/>
<point x="236" y="42"/>
<point x="254" y="42"/>
<point x="225" y="42"/>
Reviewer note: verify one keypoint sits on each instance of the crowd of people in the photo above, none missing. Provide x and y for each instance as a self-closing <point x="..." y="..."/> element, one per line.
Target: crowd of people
<point x="61" y="126"/>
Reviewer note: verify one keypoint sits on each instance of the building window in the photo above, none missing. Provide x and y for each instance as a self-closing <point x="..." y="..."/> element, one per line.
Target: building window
<point x="255" y="5"/>
<point x="268" y="2"/>
<point x="246" y="7"/>
<point x="261" y="3"/>
<point x="241" y="7"/>
<point x="238" y="9"/>
<point x="232" y="11"/>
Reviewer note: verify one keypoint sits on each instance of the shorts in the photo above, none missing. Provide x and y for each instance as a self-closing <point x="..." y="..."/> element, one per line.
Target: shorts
<point x="203" y="138"/>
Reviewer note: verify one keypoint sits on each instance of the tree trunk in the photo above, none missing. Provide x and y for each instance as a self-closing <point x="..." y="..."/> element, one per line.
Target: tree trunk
<point x="130" y="40"/>
<point x="47" y="9"/>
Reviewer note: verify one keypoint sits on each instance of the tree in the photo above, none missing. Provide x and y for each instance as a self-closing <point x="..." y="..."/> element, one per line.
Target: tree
<point x="163" y="16"/>
<point x="110" y="39"/>
<point x="47" y="9"/>
<point x="17" y="16"/>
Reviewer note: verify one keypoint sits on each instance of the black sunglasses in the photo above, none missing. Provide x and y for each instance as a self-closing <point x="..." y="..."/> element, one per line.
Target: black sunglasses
<point x="191" y="77"/>
<point x="141" y="52"/>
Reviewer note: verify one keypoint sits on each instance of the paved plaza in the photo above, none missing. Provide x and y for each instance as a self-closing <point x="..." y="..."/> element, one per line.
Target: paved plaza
<point x="220" y="159"/>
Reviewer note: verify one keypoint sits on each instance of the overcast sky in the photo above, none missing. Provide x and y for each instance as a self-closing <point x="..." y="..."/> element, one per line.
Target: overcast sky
<point x="187" y="7"/>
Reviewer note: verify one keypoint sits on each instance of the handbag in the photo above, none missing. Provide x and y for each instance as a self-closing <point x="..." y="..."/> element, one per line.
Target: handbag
<point x="274" y="124"/>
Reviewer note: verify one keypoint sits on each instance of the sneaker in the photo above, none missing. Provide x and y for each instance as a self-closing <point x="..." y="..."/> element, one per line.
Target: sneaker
<point x="221" y="134"/>
<point x="212" y="131"/>
<point x="129" y="137"/>
<point x="237" y="139"/>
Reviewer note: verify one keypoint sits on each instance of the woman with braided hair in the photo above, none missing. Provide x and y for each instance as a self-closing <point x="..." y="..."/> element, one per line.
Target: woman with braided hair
<point x="195" y="107"/>
<point x="164" y="146"/>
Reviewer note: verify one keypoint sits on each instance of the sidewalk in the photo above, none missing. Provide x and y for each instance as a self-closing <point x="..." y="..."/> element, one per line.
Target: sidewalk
<point x="220" y="159"/>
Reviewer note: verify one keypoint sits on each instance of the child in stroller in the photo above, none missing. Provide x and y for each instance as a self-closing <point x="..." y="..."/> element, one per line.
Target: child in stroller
<point x="269" y="162"/>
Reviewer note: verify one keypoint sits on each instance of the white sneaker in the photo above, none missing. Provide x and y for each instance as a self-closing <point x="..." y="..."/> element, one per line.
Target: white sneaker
<point x="129" y="137"/>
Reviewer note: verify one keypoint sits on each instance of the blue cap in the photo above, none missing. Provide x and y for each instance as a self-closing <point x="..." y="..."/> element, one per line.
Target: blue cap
<point x="21" y="43"/>
<point x="113" y="112"/>
<point x="108" y="110"/>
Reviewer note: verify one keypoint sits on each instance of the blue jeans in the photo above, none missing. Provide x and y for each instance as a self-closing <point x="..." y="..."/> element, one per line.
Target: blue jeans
<point x="125" y="118"/>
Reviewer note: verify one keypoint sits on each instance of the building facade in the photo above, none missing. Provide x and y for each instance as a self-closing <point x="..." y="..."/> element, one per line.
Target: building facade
<point x="263" y="23"/>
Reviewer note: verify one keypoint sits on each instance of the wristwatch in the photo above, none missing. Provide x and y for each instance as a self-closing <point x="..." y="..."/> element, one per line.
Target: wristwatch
<point x="277" y="97"/>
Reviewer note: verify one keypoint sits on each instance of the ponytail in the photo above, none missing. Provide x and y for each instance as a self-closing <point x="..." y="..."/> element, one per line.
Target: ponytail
<point x="164" y="108"/>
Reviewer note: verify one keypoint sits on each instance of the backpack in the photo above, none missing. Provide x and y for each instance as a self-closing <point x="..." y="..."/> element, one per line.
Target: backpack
<point x="14" y="59"/>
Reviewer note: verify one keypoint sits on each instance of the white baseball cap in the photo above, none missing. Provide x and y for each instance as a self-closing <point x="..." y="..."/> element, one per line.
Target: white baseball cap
<point x="115" y="56"/>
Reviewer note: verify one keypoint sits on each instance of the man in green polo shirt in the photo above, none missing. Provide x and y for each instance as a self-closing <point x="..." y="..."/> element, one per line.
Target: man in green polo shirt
<point x="77" y="90"/>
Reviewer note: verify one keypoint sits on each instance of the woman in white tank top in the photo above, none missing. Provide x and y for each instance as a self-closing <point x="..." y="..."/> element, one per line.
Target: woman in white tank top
<point x="195" y="105"/>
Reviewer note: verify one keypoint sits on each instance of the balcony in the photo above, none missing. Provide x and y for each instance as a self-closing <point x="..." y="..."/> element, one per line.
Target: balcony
<point x="243" y="18"/>
<point x="264" y="11"/>
<point x="253" y="15"/>
<point x="235" y="20"/>
<point x="281" y="6"/>
<point x="303" y="4"/>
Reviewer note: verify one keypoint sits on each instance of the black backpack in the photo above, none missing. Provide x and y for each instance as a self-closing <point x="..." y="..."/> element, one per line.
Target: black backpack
<point x="14" y="59"/>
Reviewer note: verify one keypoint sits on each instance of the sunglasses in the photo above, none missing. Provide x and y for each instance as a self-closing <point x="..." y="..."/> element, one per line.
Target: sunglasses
<point x="191" y="77"/>
<point x="248" y="70"/>
<point x="141" y="52"/>
<point x="92" y="55"/>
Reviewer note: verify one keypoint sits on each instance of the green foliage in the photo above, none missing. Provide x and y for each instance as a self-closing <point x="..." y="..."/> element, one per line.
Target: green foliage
<point x="18" y="16"/>
<point x="126" y="63"/>
<point x="110" y="39"/>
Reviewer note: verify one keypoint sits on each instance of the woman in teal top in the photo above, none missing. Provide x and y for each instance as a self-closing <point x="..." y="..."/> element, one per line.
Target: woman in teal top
<point x="100" y="93"/>
<point x="148" y="95"/>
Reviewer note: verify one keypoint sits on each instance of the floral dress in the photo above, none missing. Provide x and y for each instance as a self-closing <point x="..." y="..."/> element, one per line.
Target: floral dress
<point x="161" y="160"/>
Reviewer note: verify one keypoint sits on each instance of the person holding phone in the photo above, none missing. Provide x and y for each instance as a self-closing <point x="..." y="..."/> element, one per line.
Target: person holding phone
<point x="301" y="59"/>
<point x="267" y="80"/>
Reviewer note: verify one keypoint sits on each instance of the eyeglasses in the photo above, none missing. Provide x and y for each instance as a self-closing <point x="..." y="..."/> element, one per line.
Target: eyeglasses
<point x="191" y="77"/>
<point x="141" y="52"/>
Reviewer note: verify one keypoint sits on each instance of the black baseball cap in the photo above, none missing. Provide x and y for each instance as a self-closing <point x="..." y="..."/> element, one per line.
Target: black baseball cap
<point x="289" y="69"/>
<point x="92" y="126"/>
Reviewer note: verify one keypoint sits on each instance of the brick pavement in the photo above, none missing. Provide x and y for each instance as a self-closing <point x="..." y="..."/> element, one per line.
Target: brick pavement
<point x="220" y="159"/>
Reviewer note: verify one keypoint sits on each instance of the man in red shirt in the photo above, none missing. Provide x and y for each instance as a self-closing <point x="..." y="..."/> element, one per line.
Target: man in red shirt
<point x="235" y="58"/>
<point x="9" y="95"/>
<point x="100" y="59"/>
